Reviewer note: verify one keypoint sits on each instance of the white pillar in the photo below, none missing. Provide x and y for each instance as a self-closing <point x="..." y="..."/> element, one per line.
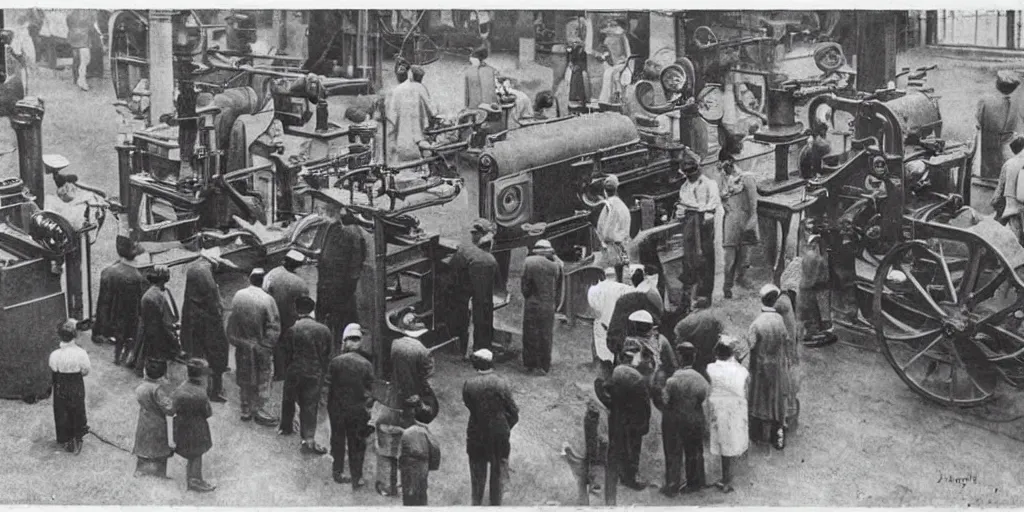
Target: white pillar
<point x="161" y="65"/>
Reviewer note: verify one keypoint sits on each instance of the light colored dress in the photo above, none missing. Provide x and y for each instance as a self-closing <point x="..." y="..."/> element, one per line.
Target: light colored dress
<point x="727" y="408"/>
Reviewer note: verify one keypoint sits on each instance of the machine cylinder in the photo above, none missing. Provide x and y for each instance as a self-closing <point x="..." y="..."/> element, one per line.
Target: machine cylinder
<point x="781" y="108"/>
<point x="27" y="121"/>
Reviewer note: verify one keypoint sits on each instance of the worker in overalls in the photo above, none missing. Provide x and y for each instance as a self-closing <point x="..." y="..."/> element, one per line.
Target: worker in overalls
<point x="999" y="116"/>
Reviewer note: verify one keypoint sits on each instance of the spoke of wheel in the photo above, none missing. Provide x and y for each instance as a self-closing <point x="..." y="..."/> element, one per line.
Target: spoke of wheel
<point x="998" y="332"/>
<point x="970" y="279"/>
<point x="921" y="353"/>
<point x="921" y="290"/>
<point x="949" y="282"/>
<point x="986" y="292"/>
<point x="913" y="337"/>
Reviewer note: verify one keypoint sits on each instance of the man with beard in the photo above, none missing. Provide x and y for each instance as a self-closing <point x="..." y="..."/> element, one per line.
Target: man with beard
<point x="338" y="271"/>
<point x="349" y="381"/>
<point x="475" y="271"/>
<point x="69" y="364"/>
<point x="542" y="276"/>
<point x="285" y="286"/>
<point x="626" y="394"/>
<point x="158" y="323"/>
<point x="492" y="415"/>
<point x="202" y="320"/>
<point x="253" y="328"/>
<point x="117" y="308"/>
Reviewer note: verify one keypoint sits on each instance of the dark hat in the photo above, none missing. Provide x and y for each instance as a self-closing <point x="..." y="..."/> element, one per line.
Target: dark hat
<point x="686" y="349"/>
<point x="197" y="366"/>
<point x="305" y="304"/>
<point x="480" y="53"/>
<point x="724" y="155"/>
<point x="156" y="368"/>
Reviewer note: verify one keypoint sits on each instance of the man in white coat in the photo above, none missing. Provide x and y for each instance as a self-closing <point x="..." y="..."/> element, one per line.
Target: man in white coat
<point x="602" y="298"/>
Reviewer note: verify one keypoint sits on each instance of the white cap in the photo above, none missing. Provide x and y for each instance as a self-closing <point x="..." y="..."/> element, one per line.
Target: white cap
<point x="56" y="162"/>
<point x="641" y="316"/>
<point x="611" y="181"/>
<point x="542" y="244"/>
<point x="484" y="354"/>
<point x="257" y="272"/>
<point x="352" y="331"/>
<point x="609" y="272"/>
<point x="769" y="289"/>
<point x="295" y="256"/>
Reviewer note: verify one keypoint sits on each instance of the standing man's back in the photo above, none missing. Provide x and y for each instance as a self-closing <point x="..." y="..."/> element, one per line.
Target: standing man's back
<point x="492" y="415"/>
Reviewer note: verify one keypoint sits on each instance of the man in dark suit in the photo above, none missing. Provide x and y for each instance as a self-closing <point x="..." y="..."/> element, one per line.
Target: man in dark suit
<point x="338" y="271"/>
<point x="475" y="272"/>
<point x="285" y="286"/>
<point x="626" y="394"/>
<point x="542" y="276"/>
<point x="682" y="423"/>
<point x="117" y="307"/>
<point x="158" y="323"/>
<point x="701" y="328"/>
<point x="412" y="366"/>
<point x="191" y="428"/>
<point x="349" y="381"/>
<point x="202" y="320"/>
<point x="492" y="415"/>
<point x="306" y="349"/>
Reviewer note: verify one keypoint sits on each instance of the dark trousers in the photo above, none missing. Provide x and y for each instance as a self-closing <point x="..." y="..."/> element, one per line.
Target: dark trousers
<point x="122" y="348"/>
<point x="69" y="416"/>
<point x="194" y="469"/>
<point x="414" y="481"/>
<point x="735" y="265"/>
<point x="701" y="277"/>
<point x="339" y="307"/>
<point x="459" y="324"/>
<point x="492" y="457"/>
<point x="483" y="325"/>
<point x="346" y="430"/>
<point x="216" y="387"/>
<point x="623" y="462"/>
<point x="683" y="443"/>
<point x="304" y="391"/>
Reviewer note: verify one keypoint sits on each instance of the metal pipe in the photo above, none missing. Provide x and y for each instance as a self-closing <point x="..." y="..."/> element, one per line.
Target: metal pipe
<point x="161" y="64"/>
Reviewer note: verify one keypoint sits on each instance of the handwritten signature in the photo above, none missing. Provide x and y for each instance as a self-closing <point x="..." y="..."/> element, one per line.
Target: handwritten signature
<point x="962" y="481"/>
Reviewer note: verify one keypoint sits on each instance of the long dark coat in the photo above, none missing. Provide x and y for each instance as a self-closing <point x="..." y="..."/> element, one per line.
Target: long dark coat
<point x="341" y="264"/>
<point x="117" y="307"/>
<point x="284" y="287"/>
<point x="769" y="367"/>
<point x="156" y="338"/>
<point x="540" y="282"/>
<point x="202" y="317"/>
<point x="492" y="412"/>
<point x="151" y="430"/>
<point x="411" y="368"/>
<point x="191" y="428"/>
<point x="476" y="272"/>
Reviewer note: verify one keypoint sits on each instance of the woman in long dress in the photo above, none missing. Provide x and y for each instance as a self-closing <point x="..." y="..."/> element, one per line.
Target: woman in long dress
<point x="727" y="409"/>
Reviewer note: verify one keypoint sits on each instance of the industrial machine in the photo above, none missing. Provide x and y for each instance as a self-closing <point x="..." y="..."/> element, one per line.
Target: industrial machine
<point x="938" y="285"/>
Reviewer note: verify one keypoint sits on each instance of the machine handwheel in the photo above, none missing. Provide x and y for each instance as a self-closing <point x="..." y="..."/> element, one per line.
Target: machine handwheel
<point x="940" y="318"/>
<point x="829" y="57"/>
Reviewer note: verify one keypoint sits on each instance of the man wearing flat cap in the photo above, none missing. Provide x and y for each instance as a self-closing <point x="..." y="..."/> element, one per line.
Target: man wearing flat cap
<point x="69" y="364"/>
<point x="192" y="412"/>
<point x="117" y="307"/>
<point x="285" y="286"/>
<point x="202" y="319"/>
<point x="492" y="415"/>
<point x="542" y="277"/>
<point x="254" y="326"/>
<point x="699" y="199"/>
<point x="158" y="322"/>
<point x="682" y="423"/>
<point x="475" y="272"/>
<point x="626" y="394"/>
<point x="999" y="116"/>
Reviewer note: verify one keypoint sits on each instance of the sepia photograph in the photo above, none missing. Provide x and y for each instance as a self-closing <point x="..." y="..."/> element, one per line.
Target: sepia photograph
<point x="529" y="258"/>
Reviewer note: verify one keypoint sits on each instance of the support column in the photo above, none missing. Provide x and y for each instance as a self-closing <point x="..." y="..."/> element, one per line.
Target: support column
<point x="27" y="121"/>
<point x="161" y="65"/>
<point x="876" y="49"/>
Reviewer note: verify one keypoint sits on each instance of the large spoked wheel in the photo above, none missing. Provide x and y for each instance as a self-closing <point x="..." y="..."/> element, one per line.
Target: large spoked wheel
<point x="943" y="314"/>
